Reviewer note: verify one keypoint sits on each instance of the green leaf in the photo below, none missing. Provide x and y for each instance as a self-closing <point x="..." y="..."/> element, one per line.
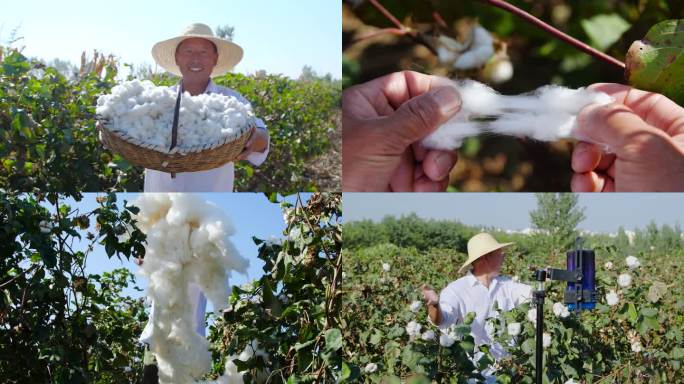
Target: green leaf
<point x="110" y="247"/>
<point x="604" y="30"/>
<point x="677" y="353"/>
<point x="656" y="63"/>
<point x="15" y="63"/>
<point x="333" y="339"/>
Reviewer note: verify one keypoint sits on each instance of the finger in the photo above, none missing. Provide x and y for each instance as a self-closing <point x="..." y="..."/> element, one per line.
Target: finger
<point x="438" y="164"/>
<point x="609" y="185"/>
<point x="585" y="157"/>
<point x="420" y="116"/>
<point x="587" y="182"/>
<point x="425" y="184"/>
<point x="419" y="151"/>
<point x="402" y="179"/>
<point x="613" y="125"/>
<point x="606" y="162"/>
<point x="654" y="108"/>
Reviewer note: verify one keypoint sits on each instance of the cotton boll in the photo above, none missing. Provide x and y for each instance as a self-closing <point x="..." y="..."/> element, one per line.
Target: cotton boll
<point x="481" y="50"/>
<point x="413" y="328"/>
<point x="624" y="280"/>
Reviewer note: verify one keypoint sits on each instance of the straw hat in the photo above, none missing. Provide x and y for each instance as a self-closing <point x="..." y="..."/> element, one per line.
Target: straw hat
<point x="480" y="245"/>
<point x="229" y="53"/>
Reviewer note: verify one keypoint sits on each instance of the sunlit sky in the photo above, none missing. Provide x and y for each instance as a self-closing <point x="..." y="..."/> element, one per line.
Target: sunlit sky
<point x="604" y="212"/>
<point x="278" y="36"/>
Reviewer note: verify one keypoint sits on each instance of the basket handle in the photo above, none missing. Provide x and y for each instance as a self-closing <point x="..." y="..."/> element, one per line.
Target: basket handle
<point x="176" y="111"/>
<point x="174" y="126"/>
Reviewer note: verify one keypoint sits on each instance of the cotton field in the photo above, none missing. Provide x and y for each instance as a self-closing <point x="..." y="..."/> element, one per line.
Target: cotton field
<point x="145" y="112"/>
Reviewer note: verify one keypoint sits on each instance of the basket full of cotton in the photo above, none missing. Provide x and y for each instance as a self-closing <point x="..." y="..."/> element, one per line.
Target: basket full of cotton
<point x="137" y="122"/>
<point x="188" y="247"/>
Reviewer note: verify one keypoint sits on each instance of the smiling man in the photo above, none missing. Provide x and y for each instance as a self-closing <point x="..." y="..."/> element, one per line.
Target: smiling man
<point x="197" y="56"/>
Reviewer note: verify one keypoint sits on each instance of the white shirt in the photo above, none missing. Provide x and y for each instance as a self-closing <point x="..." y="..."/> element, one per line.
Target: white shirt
<point x="219" y="179"/>
<point x="467" y="295"/>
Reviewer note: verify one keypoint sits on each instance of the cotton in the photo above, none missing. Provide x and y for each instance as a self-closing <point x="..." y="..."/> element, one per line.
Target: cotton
<point x="145" y="112"/>
<point x="187" y="243"/>
<point x="624" y="280"/>
<point x="632" y="262"/>
<point x="466" y="56"/>
<point x="413" y="328"/>
<point x="513" y="329"/>
<point x="547" y="114"/>
<point x="612" y="298"/>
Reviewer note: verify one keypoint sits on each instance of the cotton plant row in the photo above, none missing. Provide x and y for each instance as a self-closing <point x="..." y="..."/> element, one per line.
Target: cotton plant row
<point x="546" y="114"/>
<point x="609" y="322"/>
<point x="188" y="242"/>
<point x="145" y="111"/>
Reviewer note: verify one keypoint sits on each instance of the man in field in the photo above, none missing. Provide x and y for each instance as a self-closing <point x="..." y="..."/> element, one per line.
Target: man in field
<point x="477" y="291"/>
<point x="197" y="56"/>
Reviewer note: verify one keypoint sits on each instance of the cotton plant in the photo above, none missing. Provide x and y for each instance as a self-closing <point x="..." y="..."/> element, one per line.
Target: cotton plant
<point x="145" y="111"/>
<point x="188" y="242"/>
<point x="547" y="114"/>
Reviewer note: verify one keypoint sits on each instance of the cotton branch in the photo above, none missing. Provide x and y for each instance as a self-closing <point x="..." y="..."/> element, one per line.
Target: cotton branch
<point x="400" y="30"/>
<point x="501" y="4"/>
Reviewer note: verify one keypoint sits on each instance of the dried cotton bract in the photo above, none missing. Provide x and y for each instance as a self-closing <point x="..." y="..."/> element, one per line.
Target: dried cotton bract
<point x="187" y="243"/>
<point x="145" y="112"/>
<point x="547" y="114"/>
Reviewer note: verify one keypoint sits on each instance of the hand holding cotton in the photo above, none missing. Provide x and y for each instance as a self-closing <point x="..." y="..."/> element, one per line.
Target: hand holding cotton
<point x="547" y="114"/>
<point x="187" y="242"/>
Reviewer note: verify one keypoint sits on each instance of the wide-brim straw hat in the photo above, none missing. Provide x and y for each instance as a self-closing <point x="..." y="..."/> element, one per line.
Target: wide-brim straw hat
<point x="229" y="53"/>
<point x="480" y="245"/>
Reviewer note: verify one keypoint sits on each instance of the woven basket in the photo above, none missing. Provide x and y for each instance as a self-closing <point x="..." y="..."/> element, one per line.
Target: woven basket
<point x="177" y="160"/>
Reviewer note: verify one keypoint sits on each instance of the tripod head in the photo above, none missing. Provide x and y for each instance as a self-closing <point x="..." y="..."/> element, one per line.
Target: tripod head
<point x="580" y="293"/>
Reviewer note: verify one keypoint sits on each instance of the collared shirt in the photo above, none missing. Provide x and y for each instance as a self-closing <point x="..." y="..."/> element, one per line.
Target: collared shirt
<point x="219" y="179"/>
<point x="467" y="295"/>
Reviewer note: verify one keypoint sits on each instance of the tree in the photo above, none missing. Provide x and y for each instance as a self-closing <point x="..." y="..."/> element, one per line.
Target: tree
<point x="225" y="32"/>
<point x="59" y="324"/>
<point x="293" y="310"/>
<point x="556" y="219"/>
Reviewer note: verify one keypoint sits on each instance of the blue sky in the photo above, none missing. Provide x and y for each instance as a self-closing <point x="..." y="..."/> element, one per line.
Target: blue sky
<point x="277" y="35"/>
<point x="604" y="212"/>
<point x="251" y="213"/>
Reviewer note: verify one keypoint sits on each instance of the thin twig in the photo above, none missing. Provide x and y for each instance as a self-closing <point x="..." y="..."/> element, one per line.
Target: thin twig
<point x="582" y="46"/>
<point x="387" y="14"/>
<point x="19" y="275"/>
<point x="382" y="31"/>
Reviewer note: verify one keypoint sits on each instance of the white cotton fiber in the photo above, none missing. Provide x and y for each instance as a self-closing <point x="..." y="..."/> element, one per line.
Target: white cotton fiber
<point x="187" y="243"/>
<point x="547" y="114"/>
<point x="481" y="50"/>
<point x="145" y="112"/>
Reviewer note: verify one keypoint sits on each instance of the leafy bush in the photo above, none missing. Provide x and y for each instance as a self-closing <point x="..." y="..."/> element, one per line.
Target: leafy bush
<point x="293" y="310"/>
<point x="57" y="323"/>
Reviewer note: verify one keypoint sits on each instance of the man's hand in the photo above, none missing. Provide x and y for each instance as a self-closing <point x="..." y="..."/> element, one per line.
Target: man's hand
<point x="429" y="295"/>
<point x="432" y="301"/>
<point x="637" y="143"/>
<point x="383" y="122"/>
<point x="257" y="142"/>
